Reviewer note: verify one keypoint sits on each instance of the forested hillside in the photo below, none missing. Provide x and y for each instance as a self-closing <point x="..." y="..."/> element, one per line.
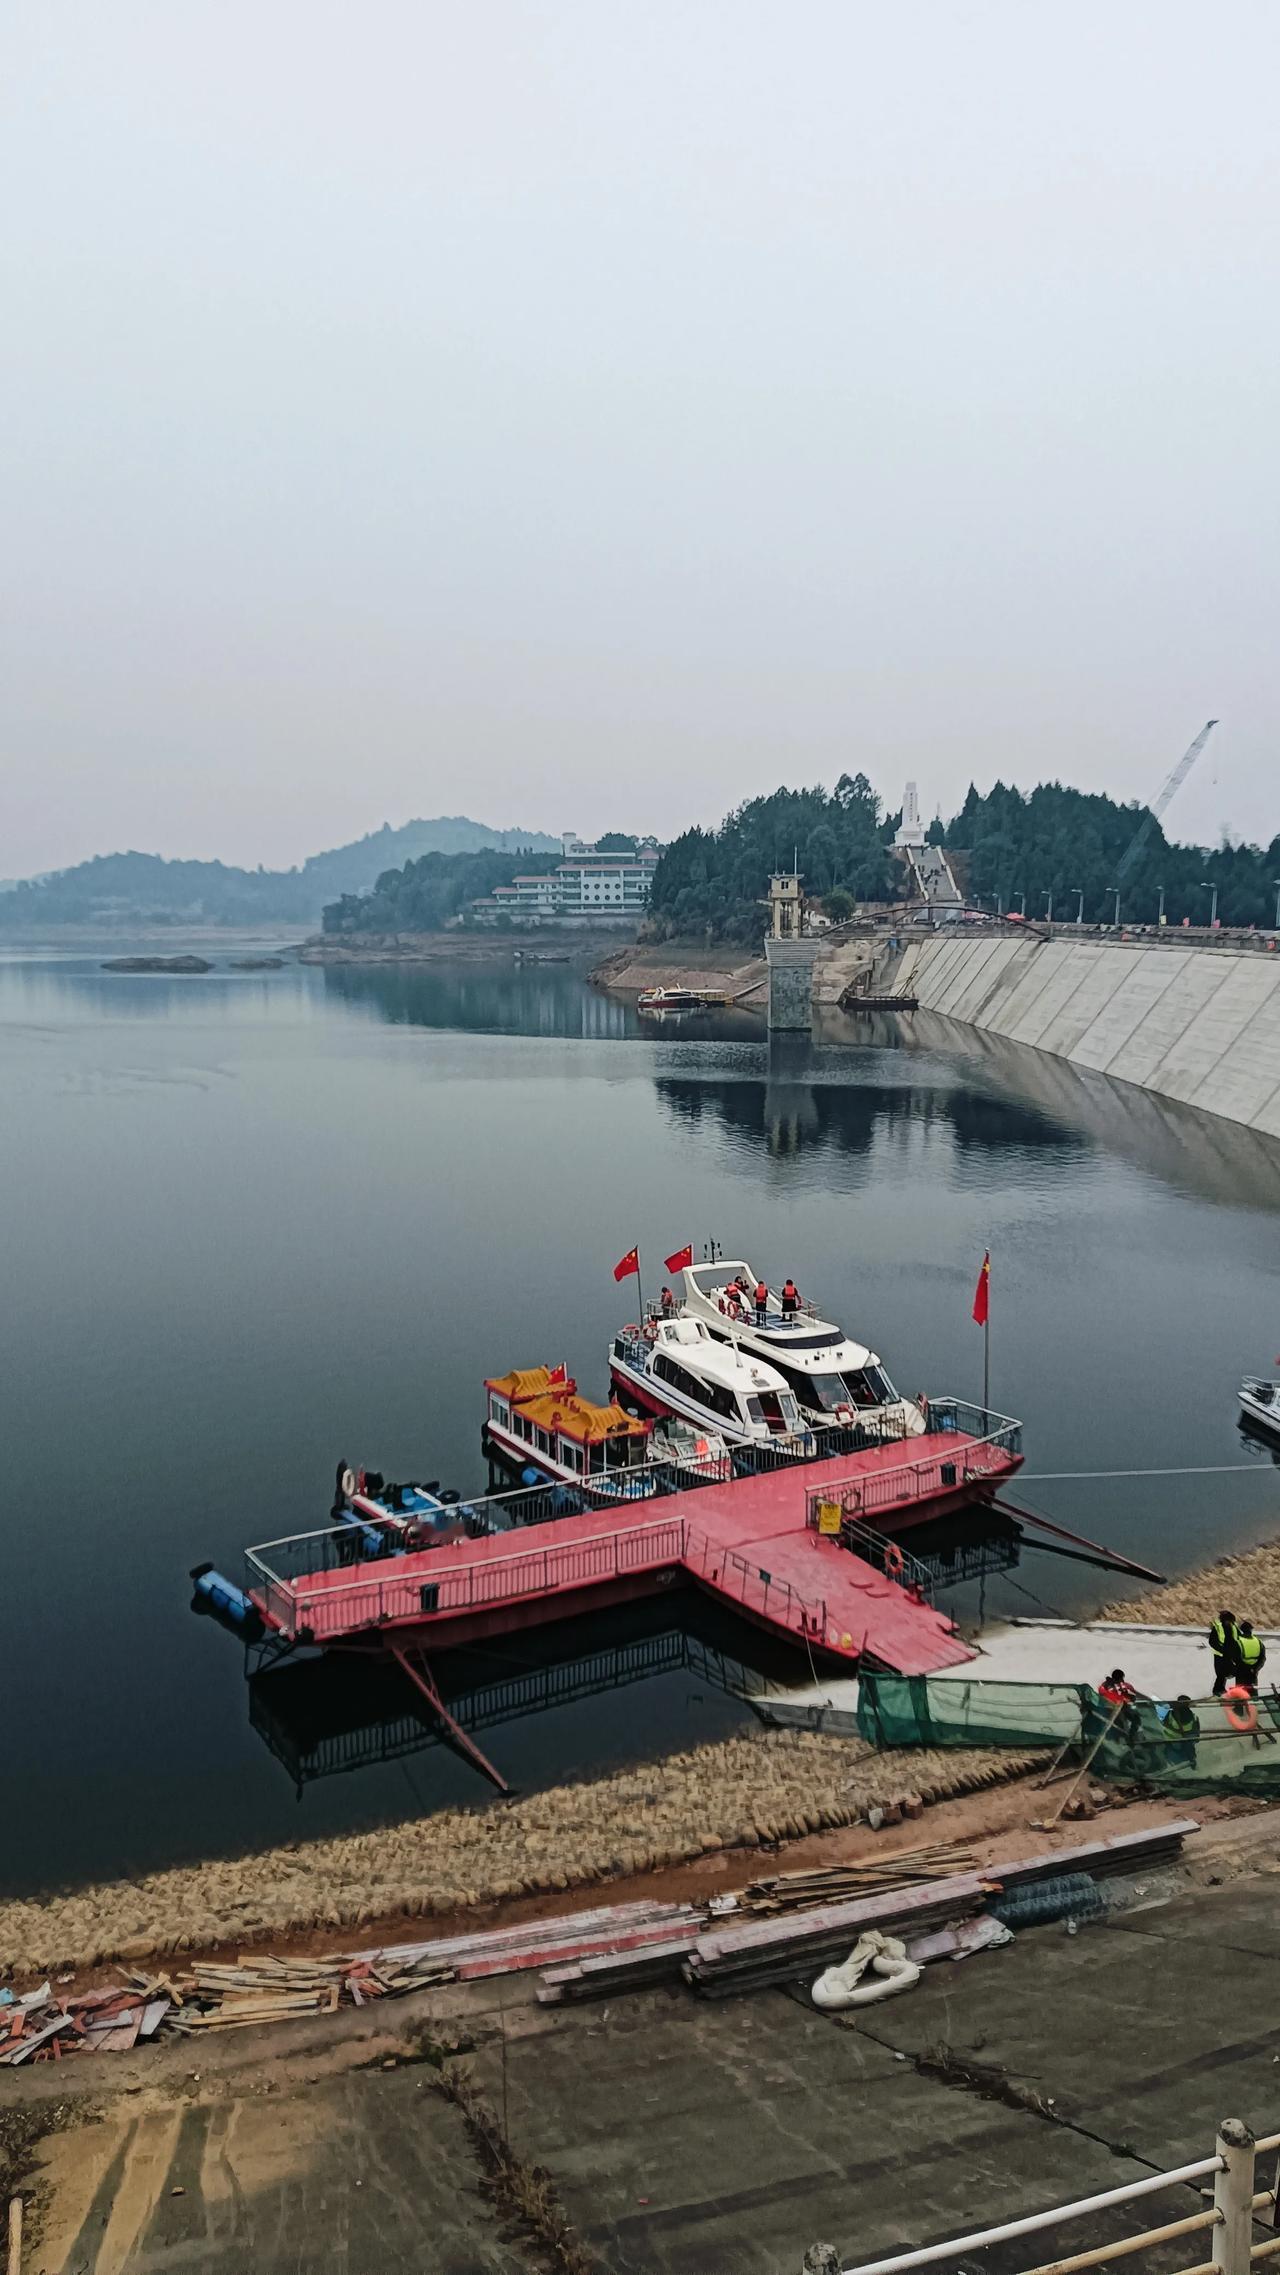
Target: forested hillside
<point x="131" y="888"/>
<point x="425" y="894"/>
<point x="1060" y="842"/>
<point x="714" y="880"/>
<point x="1050" y="841"/>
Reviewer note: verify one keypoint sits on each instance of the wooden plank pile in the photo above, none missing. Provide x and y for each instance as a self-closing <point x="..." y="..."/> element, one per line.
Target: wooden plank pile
<point x="560" y="1941"/>
<point x="262" y="1989"/>
<point x="793" y="1891"/>
<point x="782" y="1948"/>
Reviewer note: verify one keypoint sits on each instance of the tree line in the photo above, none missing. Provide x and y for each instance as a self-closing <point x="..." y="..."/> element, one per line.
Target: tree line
<point x="1060" y="844"/>
<point x="1051" y="844"/>
<point x="714" y="880"/>
<point x="428" y="894"/>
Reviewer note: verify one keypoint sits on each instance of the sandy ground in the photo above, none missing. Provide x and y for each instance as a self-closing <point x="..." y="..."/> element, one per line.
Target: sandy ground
<point x="721" y="968"/>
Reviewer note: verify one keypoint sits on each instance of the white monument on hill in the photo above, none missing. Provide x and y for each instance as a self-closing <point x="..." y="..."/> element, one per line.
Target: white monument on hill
<point x="912" y="830"/>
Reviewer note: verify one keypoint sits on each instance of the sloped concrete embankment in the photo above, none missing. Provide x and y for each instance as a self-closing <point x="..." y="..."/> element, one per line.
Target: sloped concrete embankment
<point x="1198" y="1024"/>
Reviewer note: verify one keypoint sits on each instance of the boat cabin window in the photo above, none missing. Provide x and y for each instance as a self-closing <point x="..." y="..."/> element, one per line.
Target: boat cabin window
<point x="542" y="1439"/>
<point x="499" y="1411"/>
<point x="870" y="1386"/>
<point x="776" y="1409"/>
<point x="713" y="1395"/>
<point x="570" y="1453"/>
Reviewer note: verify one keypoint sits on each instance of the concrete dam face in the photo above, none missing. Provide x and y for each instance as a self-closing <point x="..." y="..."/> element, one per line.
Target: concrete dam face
<point x="1198" y="1024"/>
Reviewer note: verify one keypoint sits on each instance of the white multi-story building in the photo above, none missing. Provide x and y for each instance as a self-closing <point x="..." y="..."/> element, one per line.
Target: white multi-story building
<point x="585" y="886"/>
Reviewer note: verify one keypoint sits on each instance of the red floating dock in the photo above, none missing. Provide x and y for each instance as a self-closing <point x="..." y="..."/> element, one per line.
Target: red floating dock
<point x="753" y="1543"/>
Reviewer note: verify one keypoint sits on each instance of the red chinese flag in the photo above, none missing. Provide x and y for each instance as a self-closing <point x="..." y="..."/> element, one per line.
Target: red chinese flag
<point x="558" y="1374"/>
<point x="681" y="1260"/>
<point x="630" y="1263"/>
<point x="982" y="1293"/>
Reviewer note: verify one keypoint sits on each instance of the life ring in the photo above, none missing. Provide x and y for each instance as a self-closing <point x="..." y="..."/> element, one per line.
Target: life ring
<point x="894" y="1560"/>
<point x="1241" y="1710"/>
<point x="347" y="1481"/>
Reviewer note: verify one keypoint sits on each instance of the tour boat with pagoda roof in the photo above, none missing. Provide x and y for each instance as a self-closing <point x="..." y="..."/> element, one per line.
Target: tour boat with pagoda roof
<point x="539" y="1426"/>
<point x="831" y="1378"/>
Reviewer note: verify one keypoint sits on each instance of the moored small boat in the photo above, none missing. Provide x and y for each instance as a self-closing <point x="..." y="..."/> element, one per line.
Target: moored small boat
<point x="664" y="999"/>
<point x="677" y="1367"/>
<point x="541" y="1429"/>
<point x="388" y="1518"/>
<point x="1260" y="1403"/>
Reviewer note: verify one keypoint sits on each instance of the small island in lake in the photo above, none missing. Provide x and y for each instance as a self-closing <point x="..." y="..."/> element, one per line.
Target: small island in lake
<point x="157" y="964"/>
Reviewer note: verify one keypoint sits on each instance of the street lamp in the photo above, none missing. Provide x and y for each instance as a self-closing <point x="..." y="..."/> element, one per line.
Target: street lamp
<point x="1160" y="890"/>
<point x="1116" y="890"/>
<point x="1049" y="898"/>
<point x="1207" y="885"/>
<point x="1276" y="882"/>
<point x="1078" y="890"/>
<point x="1022" y="904"/>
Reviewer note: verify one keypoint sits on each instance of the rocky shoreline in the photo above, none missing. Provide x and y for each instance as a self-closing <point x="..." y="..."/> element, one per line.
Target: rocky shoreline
<point x="447" y="947"/>
<point x="741" y="1793"/>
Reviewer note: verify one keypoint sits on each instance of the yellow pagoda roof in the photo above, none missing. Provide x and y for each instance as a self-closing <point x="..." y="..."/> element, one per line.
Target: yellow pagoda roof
<point x="525" y="1382"/>
<point x="557" y="1406"/>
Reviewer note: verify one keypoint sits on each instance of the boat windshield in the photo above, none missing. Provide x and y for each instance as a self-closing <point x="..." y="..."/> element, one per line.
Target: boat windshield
<point x="863" y="1388"/>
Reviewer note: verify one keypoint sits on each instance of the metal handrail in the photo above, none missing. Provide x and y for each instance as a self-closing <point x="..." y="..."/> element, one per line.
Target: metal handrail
<point x="1233" y="2168"/>
<point x="907" y="1570"/>
<point x="1009" y="2230"/>
<point x="439" y="1567"/>
<point x="870" y="1489"/>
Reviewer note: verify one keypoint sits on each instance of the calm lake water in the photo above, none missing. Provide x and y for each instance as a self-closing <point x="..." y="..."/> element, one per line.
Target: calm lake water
<point x="254" y="1222"/>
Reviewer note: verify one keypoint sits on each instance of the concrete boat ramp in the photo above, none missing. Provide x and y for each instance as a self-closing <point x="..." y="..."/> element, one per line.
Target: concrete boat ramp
<point x="1161" y="1662"/>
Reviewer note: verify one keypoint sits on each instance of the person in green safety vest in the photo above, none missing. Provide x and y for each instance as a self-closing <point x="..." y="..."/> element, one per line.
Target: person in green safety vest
<point x="1251" y="1656"/>
<point x="1182" y="1728"/>
<point x="1222" y="1643"/>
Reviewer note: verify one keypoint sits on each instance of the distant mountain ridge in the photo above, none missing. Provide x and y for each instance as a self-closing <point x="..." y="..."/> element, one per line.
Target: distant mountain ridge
<point x="123" y="888"/>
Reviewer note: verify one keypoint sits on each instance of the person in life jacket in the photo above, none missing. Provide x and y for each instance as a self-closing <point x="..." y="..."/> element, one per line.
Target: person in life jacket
<point x="790" y="1298"/>
<point x="1222" y="1643"/>
<point x="668" y="1303"/>
<point x="1182" y="1728"/>
<point x="1120" y="1700"/>
<point x="1251" y="1654"/>
<point x="762" y="1302"/>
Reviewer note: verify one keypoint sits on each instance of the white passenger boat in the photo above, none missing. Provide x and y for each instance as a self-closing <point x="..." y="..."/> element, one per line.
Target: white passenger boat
<point x="1260" y="1404"/>
<point x="678" y="1367"/>
<point x="832" y="1379"/>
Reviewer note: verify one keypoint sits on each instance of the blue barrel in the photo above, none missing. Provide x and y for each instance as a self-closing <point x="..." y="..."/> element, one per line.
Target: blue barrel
<point x="222" y="1596"/>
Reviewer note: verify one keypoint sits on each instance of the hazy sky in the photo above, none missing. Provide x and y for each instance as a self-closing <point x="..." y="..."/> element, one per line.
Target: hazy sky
<point x="570" y="412"/>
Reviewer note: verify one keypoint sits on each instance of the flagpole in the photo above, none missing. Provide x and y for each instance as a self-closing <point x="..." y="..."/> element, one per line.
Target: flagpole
<point x="639" y="1288"/>
<point x="986" y="1366"/>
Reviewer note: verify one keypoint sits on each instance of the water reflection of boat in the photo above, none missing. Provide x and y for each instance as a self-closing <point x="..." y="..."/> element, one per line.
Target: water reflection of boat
<point x="831" y="1378"/>
<point x="1260" y="1405"/>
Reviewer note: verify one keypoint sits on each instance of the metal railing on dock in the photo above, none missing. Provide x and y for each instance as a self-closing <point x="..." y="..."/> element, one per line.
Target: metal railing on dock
<point x="993" y="1440"/>
<point x="309" y="1605"/>
<point x="1237" y="2207"/>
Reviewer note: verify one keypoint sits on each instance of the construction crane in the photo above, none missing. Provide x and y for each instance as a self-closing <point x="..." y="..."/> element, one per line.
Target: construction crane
<point x="1163" y="802"/>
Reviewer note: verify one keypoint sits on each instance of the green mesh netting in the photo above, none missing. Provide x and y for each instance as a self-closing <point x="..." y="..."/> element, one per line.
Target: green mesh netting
<point x="1140" y="1747"/>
